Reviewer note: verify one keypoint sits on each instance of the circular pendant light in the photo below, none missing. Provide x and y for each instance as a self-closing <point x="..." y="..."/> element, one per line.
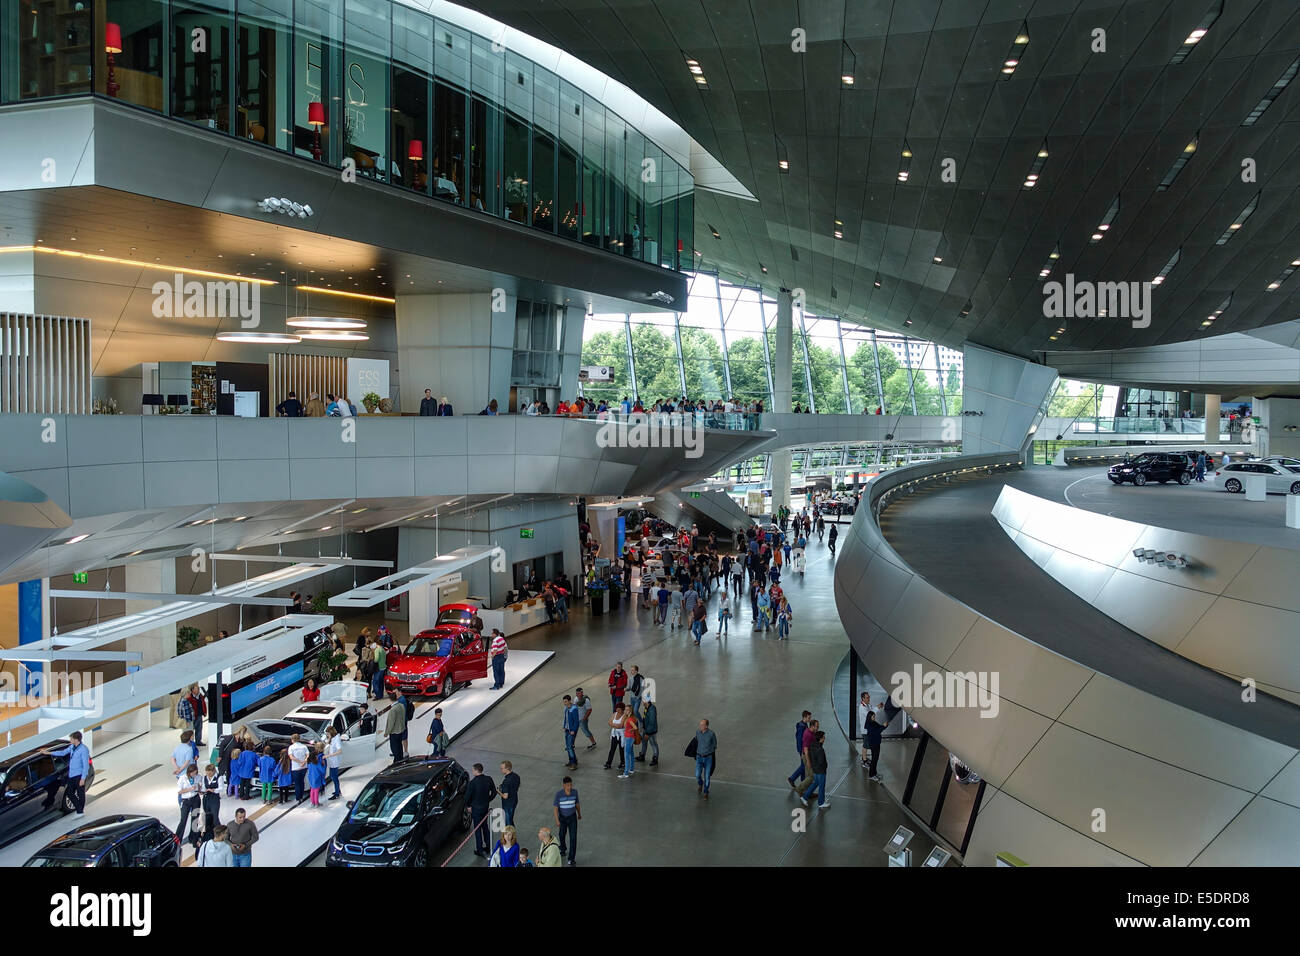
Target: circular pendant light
<point x="324" y="323"/>
<point x="330" y="335"/>
<point x="259" y="338"/>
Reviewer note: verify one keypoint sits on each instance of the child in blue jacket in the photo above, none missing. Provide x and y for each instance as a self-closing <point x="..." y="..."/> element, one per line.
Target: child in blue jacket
<point x="315" y="777"/>
<point x="267" y="770"/>
<point x="242" y="768"/>
<point x="285" y="777"/>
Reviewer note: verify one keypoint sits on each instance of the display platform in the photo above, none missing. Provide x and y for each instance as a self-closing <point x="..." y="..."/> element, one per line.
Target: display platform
<point x="136" y="778"/>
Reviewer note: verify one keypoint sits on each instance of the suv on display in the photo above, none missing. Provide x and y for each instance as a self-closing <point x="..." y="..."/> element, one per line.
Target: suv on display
<point x="1279" y="479"/>
<point x="437" y="661"/>
<point x="31" y="784"/>
<point x="113" y="841"/>
<point x="403" y="815"/>
<point x="1152" y="467"/>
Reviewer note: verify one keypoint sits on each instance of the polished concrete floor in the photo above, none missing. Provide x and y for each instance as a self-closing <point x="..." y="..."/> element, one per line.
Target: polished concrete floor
<point x="751" y="687"/>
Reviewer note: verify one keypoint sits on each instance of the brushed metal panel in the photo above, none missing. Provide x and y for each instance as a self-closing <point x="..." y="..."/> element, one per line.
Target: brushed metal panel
<point x="1027" y="674"/>
<point x="1074" y="773"/>
<point x="243" y="438"/>
<point x="1264" y="834"/>
<point x="880" y="589"/>
<point x="105" y="489"/>
<point x="1158" y="611"/>
<point x="1269" y="578"/>
<point x="928" y="621"/>
<point x="1082" y="576"/>
<point x="1097" y="537"/>
<point x="1247" y="640"/>
<point x="537" y="474"/>
<point x="492" y="474"/>
<point x="179" y="483"/>
<point x="1137" y="721"/>
<point x="441" y="475"/>
<point x="1285" y="787"/>
<point x="1006" y="825"/>
<point x="385" y="477"/>
<point x="170" y="438"/>
<point x="1216" y="561"/>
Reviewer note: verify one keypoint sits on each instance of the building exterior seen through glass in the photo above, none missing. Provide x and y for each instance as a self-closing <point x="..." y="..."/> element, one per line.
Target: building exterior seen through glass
<point x="405" y="98"/>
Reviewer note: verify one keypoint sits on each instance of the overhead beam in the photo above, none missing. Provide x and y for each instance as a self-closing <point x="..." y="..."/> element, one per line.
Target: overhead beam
<point x="295" y="559"/>
<point x="18" y="654"/>
<point x="150" y="596"/>
<point x="376" y="592"/>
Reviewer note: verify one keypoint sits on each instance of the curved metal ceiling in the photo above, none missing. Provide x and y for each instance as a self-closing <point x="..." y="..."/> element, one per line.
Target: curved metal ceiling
<point x="928" y="76"/>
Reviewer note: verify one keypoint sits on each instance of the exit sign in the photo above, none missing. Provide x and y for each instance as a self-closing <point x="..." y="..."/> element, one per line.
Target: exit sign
<point x="80" y="577"/>
<point x="695" y="494"/>
<point x="525" y="532"/>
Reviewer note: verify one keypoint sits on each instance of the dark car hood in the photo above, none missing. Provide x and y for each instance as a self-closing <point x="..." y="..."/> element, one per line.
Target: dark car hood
<point x="416" y="664"/>
<point x="376" y="833"/>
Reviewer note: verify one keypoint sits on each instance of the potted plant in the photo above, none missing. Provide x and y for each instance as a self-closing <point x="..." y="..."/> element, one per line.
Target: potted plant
<point x="371" y="400"/>
<point x="187" y="638"/>
<point x="332" y="664"/>
<point x="320" y="604"/>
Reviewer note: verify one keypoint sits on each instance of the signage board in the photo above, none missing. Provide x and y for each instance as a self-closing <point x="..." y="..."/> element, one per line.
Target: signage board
<point x="525" y="532"/>
<point x="272" y="684"/>
<point x="80" y="577"/>
<point x="595" y="373"/>
<point x="365" y="376"/>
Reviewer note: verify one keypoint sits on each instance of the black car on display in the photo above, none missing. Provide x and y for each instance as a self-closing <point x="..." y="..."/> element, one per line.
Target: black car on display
<point x="1159" y="467"/>
<point x="403" y="815"/>
<point x="31" y="784"/>
<point x="123" y="840"/>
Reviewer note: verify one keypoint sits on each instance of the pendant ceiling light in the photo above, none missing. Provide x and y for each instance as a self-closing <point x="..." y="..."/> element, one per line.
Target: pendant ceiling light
<point x="260" y="338"/>
<point x="327" y="335"/>
<point x="324" y="323"/>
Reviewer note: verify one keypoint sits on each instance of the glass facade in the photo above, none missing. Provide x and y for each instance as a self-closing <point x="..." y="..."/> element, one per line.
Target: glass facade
<point x="400" y="96"/>
<point x="721" y="346"/>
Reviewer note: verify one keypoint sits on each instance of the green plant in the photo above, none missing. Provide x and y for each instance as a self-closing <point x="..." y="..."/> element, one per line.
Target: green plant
<point x="187" y="638"/>
<point x="333" y="664"/>
<point x="371" y="400"/>
<point x="320" y="604"/>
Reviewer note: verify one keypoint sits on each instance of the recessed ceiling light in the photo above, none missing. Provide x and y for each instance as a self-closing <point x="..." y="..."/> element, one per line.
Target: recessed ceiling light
<point x="938" y="258"/>
<point x="324" y="323"/>
<point x="324" y="335"/>
<point x="1053" y="254"/>
<point x="1022" y="38"/>
<point x="839" y="234"/>
<point x="1011" y="63"/>
<point x="75" y="539"/>
<point x="1096" y="235"/>
<point x="260" y="338"/>
<point x="1042" y="154"/>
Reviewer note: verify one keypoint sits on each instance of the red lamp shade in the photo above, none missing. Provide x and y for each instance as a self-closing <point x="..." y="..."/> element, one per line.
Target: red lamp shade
<point x="679" y="245"/>
<point x="316" y="114"/>
<point x="112" y="38"/>
<point x="415" y="150"/>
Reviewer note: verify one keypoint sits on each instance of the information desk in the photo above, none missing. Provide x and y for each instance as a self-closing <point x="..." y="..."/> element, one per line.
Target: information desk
<point x="513" y="618"/>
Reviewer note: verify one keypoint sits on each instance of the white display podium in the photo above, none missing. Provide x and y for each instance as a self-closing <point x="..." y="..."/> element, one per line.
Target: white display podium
<point x="1256" y="487"/>
<point x="1293" y="511"/>
<point x="513" y="618"/>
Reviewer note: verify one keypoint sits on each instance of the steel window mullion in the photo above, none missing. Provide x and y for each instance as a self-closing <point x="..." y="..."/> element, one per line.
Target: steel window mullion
<point x="844" y="366"/>
<point x="767" y="354"/>
<point x="807" y="369"/>
<point x="880" y="385"/>
<point x="907" y="357"/>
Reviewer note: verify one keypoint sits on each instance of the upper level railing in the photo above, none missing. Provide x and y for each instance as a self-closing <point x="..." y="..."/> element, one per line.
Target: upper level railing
<point x="382" y="91"/>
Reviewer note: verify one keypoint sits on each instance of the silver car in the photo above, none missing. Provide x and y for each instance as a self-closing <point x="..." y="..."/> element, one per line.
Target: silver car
<point x="1282" y="460"/>
<point x="1280" y="479"/>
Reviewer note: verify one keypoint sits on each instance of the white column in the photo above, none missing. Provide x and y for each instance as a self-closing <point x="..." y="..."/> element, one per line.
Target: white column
<point x="159" y="644"/>
<point x="782" y="393"/>
<point x="1212" y="431"/>
<point x="456" y="345"/>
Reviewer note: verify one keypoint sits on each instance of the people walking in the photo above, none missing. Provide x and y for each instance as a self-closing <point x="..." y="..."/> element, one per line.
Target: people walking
<point x="572" y="721"/>
<point x="835" y="533"/>
<point x="509" y="790"/>
<point x="568" y="811"/>
<point x="706" y="748"/>
<point x="800" y="728"/>
<point x="630" y="734"/>
<point x="549" y="853"/>
<point x="479" y="795"/>
<point x="724" y="613"/>
<point x="634" y="688"/>
<point x="817" y="765"/>
<point x="506" y="852"/>
<point x="874" y="728"/>
<point x="437" y="738"/>
<point x="784" y="617"/>
<point x="809" y="737"/>
<point x="1200" y="467"/>
<point x="216" y="851"/>
<point x="498" y="652"/>
<point x="650" y="732"/>
<point x="584" y="706"/>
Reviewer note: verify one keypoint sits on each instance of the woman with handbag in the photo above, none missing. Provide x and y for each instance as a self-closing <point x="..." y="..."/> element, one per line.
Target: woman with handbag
<point x="615" y="734"/>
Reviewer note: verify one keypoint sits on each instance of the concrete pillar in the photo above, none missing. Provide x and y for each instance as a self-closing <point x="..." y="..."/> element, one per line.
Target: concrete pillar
<point x="782" y="392"/>
<point x="159" y="644"/>
<point x="1212" y="431"/>
<point x="458" y="346"/>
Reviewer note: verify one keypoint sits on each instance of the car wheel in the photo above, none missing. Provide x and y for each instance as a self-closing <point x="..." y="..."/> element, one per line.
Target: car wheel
<point x="466" y="819"/>
<point x="1163" y="480"/>
<point x="1295" y="487"/>
<point x="1139" y="479"/>
<point x="1184" y="479"/>
<point x="170" y="863"/>
<point x="420" y="858"/>
<point x="447" y="687"/>
<point x="1232" y="486"/>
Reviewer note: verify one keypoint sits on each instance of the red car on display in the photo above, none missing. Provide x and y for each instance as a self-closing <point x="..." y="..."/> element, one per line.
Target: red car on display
<point x="437" y="661"/>
<point x="463" y="615"/>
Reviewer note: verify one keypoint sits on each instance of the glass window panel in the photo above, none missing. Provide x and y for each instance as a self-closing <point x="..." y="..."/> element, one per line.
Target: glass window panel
<point x="593" y="172"/>
<point x="634" y="219"/>
<point x="546" y="93"/>
<point x="367" y="29"/>
<point x="615" y="196"/>
<point x="517" y="162"/>
<point x="651" y="181"/>
<point x="654" y="347"/>
<point x="263" y="34"/>
<point x="412" y="98"/>
<point x="568" y="185"/>
<point x="666" y="213"/>
<point x="824" y="364"/>
<point x="201" y="77"/>
<point x="40" y="49"/>
<point x="451" y="55"/>
<point x="318" y="77"/>
<point x="137" y="70"/>
<point x="487" y="74"/>
<point x="604" y="343"/>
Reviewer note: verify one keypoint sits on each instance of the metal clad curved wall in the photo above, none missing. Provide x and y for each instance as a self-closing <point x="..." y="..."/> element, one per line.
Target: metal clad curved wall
<point x="1175" y="787"/>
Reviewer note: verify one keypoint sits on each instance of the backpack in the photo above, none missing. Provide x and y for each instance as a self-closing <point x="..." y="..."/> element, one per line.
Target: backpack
<point x="410" y="709"/>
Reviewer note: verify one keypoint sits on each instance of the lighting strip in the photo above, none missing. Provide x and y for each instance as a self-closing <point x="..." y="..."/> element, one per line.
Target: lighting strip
<point x="1111" y="213"/>
<point x="1179" y="163"/>
<point x="161" y="267"/>
<point x="1198" y="34"/>
<point x="347" y="295"/>
<point x="1240" y="221"/>
<point x="1286" y="274"/>
<point x="1169" y="267"/>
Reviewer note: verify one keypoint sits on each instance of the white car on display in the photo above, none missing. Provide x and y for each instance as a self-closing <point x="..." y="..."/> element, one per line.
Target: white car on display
<point x="1279" y="479"/>
<point x="340" y="708"/>
<point x="1282" y="460"/>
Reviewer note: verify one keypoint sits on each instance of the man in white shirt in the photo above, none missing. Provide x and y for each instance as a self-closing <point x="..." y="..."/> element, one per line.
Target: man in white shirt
<point x="498" y="652"/>
<point x="298" y="754"/>
<point x="531" y="409"/>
